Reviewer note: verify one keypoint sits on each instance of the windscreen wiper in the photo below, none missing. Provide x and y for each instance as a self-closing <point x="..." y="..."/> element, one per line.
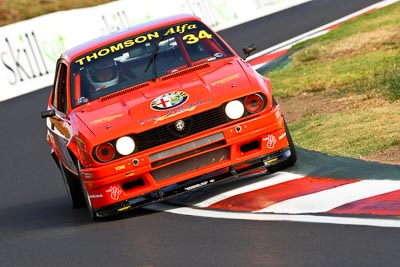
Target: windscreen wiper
<point x="152" y="60"/>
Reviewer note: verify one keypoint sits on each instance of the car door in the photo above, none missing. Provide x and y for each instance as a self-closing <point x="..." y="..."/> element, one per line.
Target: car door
<point x="59" y="127"/>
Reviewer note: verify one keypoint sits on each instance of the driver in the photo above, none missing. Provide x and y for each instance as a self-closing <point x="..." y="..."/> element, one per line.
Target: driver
<point x="103" y="73"/>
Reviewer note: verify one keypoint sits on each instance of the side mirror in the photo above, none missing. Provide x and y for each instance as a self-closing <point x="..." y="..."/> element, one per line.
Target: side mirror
<point x="248" y="49"/>
<point x="48" y="113"/>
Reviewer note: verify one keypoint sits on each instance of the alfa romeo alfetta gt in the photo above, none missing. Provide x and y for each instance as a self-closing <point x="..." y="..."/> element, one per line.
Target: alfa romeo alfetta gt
<point x="158" y="109"/>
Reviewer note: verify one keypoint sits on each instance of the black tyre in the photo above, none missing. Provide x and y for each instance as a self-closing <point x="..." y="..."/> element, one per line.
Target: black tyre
<point x="73" y="187"/>
<point x="289" y="161"/>
<point x="89" y="206"/>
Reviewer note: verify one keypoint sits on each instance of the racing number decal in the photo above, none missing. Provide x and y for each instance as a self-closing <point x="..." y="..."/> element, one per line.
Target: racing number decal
<point x="192" y="39"/>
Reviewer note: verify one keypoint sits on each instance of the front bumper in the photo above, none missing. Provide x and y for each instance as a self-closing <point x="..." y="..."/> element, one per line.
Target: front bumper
<point x="170" y="191"/>
<point x="167" y="170"/>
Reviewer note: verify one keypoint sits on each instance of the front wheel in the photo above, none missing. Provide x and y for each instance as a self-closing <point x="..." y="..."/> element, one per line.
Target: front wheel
<point x="73" y="187"/>
<point x="91" y="211"/>
<point x="291" y="160"/>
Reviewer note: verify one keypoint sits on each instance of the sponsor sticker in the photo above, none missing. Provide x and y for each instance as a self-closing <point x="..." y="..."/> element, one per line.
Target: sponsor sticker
<point x="115" y="192"/>
<point x="96" y="196"/>
<point x="271" y="141"/>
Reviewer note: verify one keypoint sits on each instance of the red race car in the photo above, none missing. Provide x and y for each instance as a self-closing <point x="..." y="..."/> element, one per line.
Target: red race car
<point x="156" y="110"/>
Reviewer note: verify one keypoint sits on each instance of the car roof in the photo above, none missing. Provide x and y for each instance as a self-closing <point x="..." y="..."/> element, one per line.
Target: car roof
<point x="125" y="33"/>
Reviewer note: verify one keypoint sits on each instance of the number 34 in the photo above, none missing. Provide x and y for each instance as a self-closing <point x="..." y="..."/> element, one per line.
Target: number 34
<point x="192" y="39"/>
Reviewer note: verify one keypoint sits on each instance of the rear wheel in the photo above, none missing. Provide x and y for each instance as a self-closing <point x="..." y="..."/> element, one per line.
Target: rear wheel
<point x="291" y="160"/>
<point x="73" y="187"/>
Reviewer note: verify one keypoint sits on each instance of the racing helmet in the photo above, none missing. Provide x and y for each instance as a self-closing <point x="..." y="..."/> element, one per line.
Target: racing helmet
<point x="103" y="73"/>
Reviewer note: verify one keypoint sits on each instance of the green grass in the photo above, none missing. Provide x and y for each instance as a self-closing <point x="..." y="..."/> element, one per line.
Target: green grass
<point x="16" y="10"/>
<point x="342" y="72"/>
<point x="354" y="134"/>
<point x="359" y="58"/>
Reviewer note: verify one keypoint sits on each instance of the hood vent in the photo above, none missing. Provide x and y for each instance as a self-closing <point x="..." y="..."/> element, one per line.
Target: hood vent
<point x="123" y="92"/>
<point x="186" y="71"/>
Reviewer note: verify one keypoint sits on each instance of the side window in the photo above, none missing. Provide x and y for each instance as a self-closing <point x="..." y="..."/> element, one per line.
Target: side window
<point x="60" y="89"/>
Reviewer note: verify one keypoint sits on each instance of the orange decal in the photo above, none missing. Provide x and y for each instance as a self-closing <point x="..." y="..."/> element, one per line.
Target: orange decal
<point x="106" y="119"/>
<point x="174" y="114"/>
<point x="227" y="79"/>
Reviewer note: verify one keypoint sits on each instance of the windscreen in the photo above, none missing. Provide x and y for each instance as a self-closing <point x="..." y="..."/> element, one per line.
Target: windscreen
<point x="142" y="58"/>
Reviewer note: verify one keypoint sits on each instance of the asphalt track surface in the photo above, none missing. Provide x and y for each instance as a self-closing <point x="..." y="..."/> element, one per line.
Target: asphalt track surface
<point x="38" y="228"/>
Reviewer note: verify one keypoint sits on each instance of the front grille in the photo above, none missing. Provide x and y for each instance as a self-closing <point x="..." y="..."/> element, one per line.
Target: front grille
<point x="193" y="124"/>
<point x="197" y="162"/>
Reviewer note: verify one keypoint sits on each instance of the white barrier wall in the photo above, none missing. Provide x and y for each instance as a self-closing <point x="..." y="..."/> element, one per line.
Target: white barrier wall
<point x="29" y="49"/>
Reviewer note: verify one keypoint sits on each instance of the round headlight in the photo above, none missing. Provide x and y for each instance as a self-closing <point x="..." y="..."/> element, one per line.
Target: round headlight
<point x="125" y="145"/>
<point x="254" y="103"/>
<point x="105" y="152"/>
<point x="234" y="109"/>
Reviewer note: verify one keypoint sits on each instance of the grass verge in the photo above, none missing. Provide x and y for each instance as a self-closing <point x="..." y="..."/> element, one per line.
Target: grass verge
<point x="359" y="60"/>
<point x="12" y="11"/>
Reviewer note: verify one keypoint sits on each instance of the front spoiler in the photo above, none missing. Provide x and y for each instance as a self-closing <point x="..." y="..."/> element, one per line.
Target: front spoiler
<point x="195" y="183"/>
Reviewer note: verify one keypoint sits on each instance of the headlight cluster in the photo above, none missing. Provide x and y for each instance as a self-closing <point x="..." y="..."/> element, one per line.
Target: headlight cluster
<point x="251" y="104"/>
<point x="107" y="151"/>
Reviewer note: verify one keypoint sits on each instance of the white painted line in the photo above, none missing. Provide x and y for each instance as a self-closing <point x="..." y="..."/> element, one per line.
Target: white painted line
<point x="275" y="217"/>
<point x="270" y="180"/>
<point x="326" y="200"/>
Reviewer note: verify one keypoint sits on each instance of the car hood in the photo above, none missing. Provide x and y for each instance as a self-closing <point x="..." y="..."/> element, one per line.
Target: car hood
<point x="177" y="95"/>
